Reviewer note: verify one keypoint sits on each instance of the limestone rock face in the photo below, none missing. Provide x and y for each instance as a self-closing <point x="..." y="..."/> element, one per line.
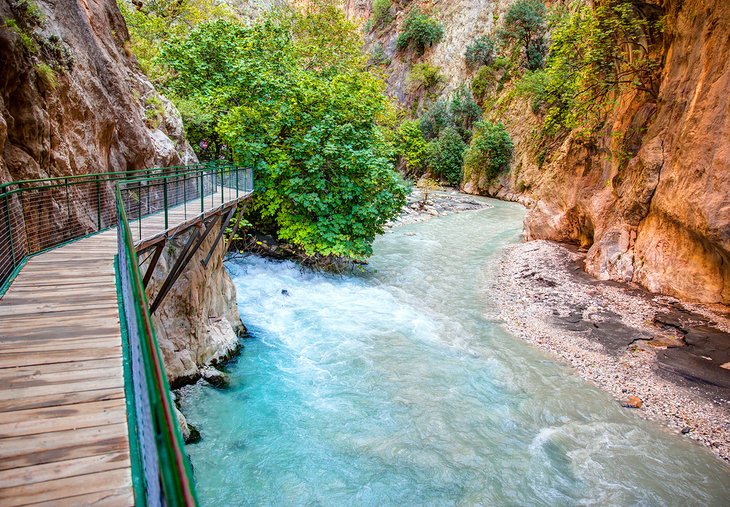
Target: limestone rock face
<point x="664" y="220"/>
<point x="660" y="218"/>
<point x="94" y="112"/>
<point x="198" y="322"/>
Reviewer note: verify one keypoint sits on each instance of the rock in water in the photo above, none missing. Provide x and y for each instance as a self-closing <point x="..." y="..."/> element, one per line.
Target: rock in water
<point x="214" y="377"/>
<point x="632" y="402"/>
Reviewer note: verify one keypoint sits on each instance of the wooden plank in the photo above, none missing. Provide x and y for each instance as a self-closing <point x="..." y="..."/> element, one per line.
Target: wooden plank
<point x="121" y="497"/>
<point x="97" y="368"/>
<point x="67" y="468"/>
<point x="61" y="399"/>
<point x="69" y="330"/>
<point x="58" y="356"/>
<point x="31" y="391"/>
<point x="68" y="417"/>
<point x="66" y="487"/>
<point x="62" y="445"/>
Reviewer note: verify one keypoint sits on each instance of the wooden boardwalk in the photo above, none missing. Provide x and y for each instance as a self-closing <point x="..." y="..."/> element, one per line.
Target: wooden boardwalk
<point x="63" y="418"/>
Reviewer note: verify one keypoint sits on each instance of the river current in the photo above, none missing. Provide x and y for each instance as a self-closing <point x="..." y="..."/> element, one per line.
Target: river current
<point x="398" y="386"/>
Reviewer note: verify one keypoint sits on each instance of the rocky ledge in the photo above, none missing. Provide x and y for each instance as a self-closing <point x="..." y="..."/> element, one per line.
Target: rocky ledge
<point x="421" y="207"/>
<point x="665" y="359"/>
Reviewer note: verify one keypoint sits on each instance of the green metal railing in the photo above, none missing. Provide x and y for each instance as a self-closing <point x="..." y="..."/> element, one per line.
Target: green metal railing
<point x="37" y="215"/>
<point x="146" y="206"/>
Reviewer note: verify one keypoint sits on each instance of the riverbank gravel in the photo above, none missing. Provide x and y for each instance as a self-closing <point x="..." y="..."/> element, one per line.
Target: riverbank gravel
<point x="606" y="332"/>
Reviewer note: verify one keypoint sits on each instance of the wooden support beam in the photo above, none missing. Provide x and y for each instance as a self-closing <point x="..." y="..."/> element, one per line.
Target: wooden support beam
<point x="194" y="242"/>
<point x="218" y="237"/>
<point x="153" y="263"/>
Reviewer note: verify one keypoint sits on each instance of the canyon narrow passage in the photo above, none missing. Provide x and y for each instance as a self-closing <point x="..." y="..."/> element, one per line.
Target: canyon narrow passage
<point x="395" y="386"/>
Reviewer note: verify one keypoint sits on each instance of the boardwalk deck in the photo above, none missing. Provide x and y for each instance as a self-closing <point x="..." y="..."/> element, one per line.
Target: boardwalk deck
<point x="63" y="420"/>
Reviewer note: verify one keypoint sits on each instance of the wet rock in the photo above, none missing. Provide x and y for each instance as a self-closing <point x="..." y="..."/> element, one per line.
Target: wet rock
<point x="214" y="377"/>
<point x="632" y="402"/>
<point x="686" y="430"/>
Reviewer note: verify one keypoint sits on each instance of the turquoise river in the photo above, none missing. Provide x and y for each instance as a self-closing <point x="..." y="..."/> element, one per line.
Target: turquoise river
<point x="398" y="386"/>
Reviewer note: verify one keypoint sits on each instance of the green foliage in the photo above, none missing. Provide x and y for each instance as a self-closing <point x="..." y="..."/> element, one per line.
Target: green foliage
<point x="524" y="28"/>
<point x="28" y="12"/>
<point x="435" y="119"/>
<point x="490" y="151"/>
<point x="483" y="82"/>
<point x="411" y="146"/>
<point x="425" y="76"/>
<point x="594" y="53"/>
<point x="28" y="43"/>
<point x="459" y="112"/>
<point x="154" y="111"/>
<point x="292" y="98"/>
<point x="46" y="75"/>
<point x="382" y="13"/>
<point x="155" y="22"/>
<point x="480" y="51"/>
<point x="445" y="154"/>
<point x="419" y="32"/>
<point x="464" y="112"/>
<point x="378" y="56"/>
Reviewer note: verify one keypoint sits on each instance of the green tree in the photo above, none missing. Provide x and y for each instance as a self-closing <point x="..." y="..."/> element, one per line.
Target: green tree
<point x="435" y="119"/>
<point x="480" y="51"/>
<point x="411" y="146"/>
<point x="153" y="22"/>
<point x="425" y="76"/>
<point x="524" y="27"/>
<point x="464" y="112"/>
<point x="594" y="53"/>
<point x="490" y="151"/>
<point x="419" y="32"/>
<point x="445" y="155"/>
<point x="305" y="119"/>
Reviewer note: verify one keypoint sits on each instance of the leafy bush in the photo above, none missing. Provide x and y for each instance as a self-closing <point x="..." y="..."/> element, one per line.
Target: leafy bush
<point x="490" y="152"/>
<point x="524" y="27"/>
<point x="382" y="13"/>
<point x="593" y="53"/>
<point x="419" y="32"/>
<point x="481" y="51"/>
<point x="435" y="119"/>
<point x="483" y="82"/>
<point x="46" y="75"/>
<point x="425" y="76"/>
<point x="377" y="55"/>
<point x="464" y="112"/>
<point x="306" y="119"/>
<point x="445" y="156"/>
<point x="411" y="145"/>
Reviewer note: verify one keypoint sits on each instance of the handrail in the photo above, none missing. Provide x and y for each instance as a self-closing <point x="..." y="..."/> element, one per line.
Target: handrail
<point x="39" y="215"/>
<point x="163" y="466"/>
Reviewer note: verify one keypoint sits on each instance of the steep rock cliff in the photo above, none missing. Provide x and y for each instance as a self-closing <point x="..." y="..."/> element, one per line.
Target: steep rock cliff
<point x="72" y="97"/>
<point x="659" y="217"/>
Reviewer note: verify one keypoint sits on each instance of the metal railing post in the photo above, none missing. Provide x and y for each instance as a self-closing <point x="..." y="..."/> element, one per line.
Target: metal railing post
<point x="10" y="231"/>
<point x="202" y="197"/>
<point x="98" y="202"/>
<point x="164" y="199"/>
<point x="68" y="202"/>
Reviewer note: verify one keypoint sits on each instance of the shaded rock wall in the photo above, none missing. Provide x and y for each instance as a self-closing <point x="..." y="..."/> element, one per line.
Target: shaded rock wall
<point x="101" y="114"/>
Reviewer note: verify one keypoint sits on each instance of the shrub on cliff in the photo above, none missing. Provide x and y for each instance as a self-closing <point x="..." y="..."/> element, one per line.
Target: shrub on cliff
<point x="464" y="112"/>
<point x="445" y="156"/>
<point x="292" y="97"/>
<point x="594" y="52"/>
<point x="419" y="32"/>
<point x="524" y="27"/>
<point x="382" y="13"/>
<point x="424" y="76"/>
<point x="480" y="51"/>
<point x="490" y="151"/>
